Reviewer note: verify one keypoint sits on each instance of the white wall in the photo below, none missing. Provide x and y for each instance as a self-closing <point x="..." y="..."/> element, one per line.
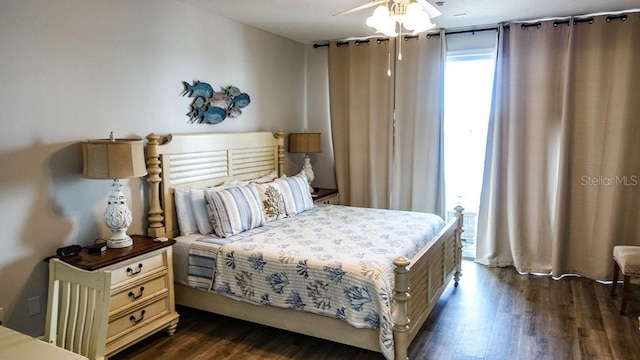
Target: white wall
<point x="76" y="69"/>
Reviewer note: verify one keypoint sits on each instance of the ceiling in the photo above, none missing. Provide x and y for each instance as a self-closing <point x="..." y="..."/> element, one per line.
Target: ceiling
<point x="310" y="21"/>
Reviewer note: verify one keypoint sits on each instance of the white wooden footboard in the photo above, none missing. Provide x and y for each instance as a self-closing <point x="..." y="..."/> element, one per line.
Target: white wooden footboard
<point x="420" y="282"/>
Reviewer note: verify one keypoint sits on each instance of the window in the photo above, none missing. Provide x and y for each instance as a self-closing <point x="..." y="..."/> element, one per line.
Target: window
<point x="468" y="91"/>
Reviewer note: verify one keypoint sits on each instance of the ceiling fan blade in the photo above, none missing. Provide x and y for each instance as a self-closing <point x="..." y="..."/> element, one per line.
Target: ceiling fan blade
<point x="361" y="7"/>
<point x="430" y="9"/>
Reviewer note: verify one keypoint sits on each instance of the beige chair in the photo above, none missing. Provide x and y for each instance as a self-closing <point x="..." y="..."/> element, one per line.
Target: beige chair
<point x="79" y="326"/>
<point x="627" y="259"/>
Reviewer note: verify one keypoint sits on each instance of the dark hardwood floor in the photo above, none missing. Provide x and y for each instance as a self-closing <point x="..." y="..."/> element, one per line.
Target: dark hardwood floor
<point x="495" y="313"/>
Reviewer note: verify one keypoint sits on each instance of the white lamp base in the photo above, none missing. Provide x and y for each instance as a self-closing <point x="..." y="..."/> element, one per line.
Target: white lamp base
<point x="308" y="171"/>
<point x="118" y="218"/>
<point x="119" y="243"/>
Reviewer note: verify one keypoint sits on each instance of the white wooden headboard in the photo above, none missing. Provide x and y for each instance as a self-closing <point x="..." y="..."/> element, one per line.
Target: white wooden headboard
<point x="206" y="159"/>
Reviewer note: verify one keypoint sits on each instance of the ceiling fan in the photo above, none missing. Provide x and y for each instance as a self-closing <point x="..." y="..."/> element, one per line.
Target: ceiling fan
<point x="413" y="15"/>
<point x="428" y="8"/>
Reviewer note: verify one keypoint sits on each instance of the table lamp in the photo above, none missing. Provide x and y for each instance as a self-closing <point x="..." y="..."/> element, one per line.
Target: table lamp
<point x="307" y="143"/>
<point x="115" y="159"/>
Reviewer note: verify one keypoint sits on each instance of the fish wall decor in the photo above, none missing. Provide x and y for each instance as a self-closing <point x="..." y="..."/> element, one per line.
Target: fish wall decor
<point x="213" y="107"/>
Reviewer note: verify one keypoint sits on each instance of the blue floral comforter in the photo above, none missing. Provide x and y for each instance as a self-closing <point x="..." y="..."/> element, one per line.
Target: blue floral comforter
<point x="331" y="260"/>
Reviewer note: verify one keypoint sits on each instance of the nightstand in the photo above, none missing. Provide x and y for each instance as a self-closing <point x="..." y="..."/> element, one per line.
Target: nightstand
<point x="326" y="196"/>
<point x="142" y="292"/>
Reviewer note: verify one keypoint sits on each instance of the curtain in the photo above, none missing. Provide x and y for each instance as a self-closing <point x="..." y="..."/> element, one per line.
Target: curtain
<point x="380" y="162"/>
<point x="418" y="168"/>
<point x="563" y="158"/>
<point x="361" y="103"/>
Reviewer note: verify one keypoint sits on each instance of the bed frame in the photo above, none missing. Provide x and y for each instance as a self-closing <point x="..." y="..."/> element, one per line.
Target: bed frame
<point x="209" y="159"/>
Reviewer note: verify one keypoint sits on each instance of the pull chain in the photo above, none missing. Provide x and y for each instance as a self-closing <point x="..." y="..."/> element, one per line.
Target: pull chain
<point x="400" y="46"/>
<point x="389" y="60"/>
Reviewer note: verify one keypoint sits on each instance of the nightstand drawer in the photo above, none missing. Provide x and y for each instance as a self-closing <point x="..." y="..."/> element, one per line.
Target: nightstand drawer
<point x="139" y="293"/>
<point x="136" y="268"/>
<point x="137" y="318"/>
<point x="329" y="200"/>
<point x="326" y="196"/>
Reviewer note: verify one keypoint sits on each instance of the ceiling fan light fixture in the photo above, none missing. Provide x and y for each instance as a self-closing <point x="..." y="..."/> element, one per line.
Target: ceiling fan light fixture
<point x="382" y="21"/>
<point x="389" y="30"/>
<point x="414" y="9"/>
<point x="424" y="26"/>
<point x="408" y="14"/>
<point x="413" y="16"/>
<point x="378" y="15"/>
<point x="419" y="24"/>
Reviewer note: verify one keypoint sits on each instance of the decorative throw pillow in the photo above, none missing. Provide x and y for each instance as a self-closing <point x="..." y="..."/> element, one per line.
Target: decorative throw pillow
<point x="184" y="211"/>
<point x="201" y="211"/>
<point x="271" y="200"/>
<point x="296" y="194"/>
<point x="235" y="210"/>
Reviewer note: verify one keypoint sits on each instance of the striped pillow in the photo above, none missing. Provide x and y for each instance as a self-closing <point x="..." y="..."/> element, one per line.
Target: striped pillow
<point x="201" y="209"/>
<point x="235" y="210"/>
<point x="296" y="194"/>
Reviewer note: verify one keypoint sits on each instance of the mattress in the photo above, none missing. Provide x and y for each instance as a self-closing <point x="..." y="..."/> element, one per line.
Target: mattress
<point x="331" y="260"/>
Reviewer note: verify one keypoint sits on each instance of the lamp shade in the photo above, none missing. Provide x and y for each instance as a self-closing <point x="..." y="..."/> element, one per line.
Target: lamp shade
<point x="113" y="159"/>
<point x="307" y="143"/>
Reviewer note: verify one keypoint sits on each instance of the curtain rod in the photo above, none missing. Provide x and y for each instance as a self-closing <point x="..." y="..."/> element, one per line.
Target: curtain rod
<point x="358" y="42"/>
<point x="538" y="24"/>
<point x="493" y="28"/>
<point x="408" y="37"/>
<point x="589" y="20"/>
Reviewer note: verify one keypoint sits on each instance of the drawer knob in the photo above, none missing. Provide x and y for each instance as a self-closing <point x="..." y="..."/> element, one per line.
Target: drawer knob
<point x="131" y="272"/>
<point x="134" y="296"/>
<point x="134" y="320"/>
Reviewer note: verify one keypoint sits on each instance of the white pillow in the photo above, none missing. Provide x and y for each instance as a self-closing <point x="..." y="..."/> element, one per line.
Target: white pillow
<point x="296" y="194"/>
<point x="271" y="200"/>
<point x="184" y="211"/>
<point x="235" y="210"/>
<point x="231" y="183"/>
<point x="266" y="178"/>
<point x="200" y="214"/>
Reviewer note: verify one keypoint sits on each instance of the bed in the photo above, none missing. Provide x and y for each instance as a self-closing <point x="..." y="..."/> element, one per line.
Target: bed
<point x="178" y="162"/>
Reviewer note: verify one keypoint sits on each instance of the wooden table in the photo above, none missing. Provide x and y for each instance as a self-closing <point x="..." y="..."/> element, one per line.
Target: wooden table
<point x="15" y="345"/>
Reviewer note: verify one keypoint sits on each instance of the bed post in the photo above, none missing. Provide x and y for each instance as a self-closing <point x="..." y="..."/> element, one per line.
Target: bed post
<point x="280" y="136"/>
<point x="459" y="230"/>
<point x="400" y="312"/>
<point x="156" y="217"/>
